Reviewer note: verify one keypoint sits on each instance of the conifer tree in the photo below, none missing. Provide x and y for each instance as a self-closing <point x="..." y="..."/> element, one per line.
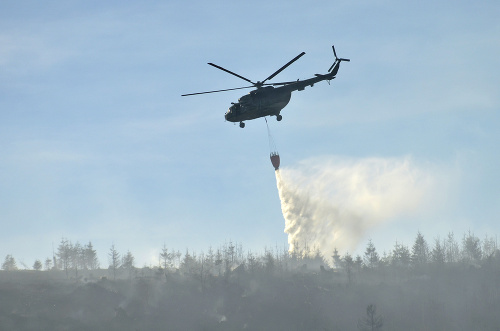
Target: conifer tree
<point x="64" y="251"/>
<point x="471" y="248"/>
<point x="188" y="263"/>
<point x="451" y="249"/>
<point x="9" y="263"/>
<point x="166" y="257"/>
<point x="76" y="257"/>
<point x="348" y="266"/>
<point x="114" y="260"/>
<point x="401" y="257"/>
<point x="90" y="256"/>
<point x="371" y="321"/>
<point x="337" y="260"/>
<point x="358" y="263"/>
<point x="438" y="254"/>
<point x="48" y="263"/>
<point x="489" y="247"/>
<point x="371" y="257"/>
<point x="128" y="263"/>
<point x="420" y="252"/>
<point x="37" y="265"/>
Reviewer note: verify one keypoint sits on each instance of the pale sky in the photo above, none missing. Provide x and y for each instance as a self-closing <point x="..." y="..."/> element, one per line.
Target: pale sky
<point x="98" y="145"/>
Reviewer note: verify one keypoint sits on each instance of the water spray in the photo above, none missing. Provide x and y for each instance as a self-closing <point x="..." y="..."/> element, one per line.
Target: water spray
<point x="334" y="202"/>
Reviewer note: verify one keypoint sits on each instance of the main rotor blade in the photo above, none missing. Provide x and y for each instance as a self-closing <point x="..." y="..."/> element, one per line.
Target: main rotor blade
<point x="283" y="67"/>
<point x="232" y="73"/>
<point x="229" y="89"/>
<point x="334" y="53"/>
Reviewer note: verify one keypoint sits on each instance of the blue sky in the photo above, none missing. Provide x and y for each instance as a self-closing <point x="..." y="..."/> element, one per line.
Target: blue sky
<point x="97" y="143"/>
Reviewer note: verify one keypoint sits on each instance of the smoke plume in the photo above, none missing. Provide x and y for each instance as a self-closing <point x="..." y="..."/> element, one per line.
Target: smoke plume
<point x="331" y="203"/>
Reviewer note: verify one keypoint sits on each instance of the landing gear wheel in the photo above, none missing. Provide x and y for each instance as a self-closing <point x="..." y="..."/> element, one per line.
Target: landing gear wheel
<point x="242" y="125"/>
<point x="279" y="117"/>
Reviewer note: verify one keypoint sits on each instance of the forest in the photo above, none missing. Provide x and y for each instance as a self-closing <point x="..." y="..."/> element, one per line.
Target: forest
<point x="447" y="284"/>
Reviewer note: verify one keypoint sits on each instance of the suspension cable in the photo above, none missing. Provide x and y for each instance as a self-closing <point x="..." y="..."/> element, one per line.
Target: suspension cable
<point x="272" y="145"/>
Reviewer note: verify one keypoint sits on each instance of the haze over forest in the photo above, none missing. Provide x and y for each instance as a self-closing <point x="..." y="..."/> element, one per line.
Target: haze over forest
<point x="449" y="283"/>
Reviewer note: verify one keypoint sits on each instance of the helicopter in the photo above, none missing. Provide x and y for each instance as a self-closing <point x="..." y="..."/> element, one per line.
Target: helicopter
<point x="266" y="99"/>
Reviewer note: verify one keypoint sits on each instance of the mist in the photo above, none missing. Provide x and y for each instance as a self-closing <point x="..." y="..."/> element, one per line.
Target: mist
<point x="333" y="202"/>
<point x="438" y="284"/>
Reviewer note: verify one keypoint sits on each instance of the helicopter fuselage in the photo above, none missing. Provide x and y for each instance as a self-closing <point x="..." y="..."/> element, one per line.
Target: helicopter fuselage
<point x="264" y="101"/>
<point x="269" y="100"/>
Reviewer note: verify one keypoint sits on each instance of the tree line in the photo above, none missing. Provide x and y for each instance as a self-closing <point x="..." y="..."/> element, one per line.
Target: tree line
<point x="68" y="257"/>
<point x="73" y="258"/>
<point x="451" y="283"/>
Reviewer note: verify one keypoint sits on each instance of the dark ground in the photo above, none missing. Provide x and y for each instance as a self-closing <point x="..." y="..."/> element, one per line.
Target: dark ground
<point x="457" y="298"/>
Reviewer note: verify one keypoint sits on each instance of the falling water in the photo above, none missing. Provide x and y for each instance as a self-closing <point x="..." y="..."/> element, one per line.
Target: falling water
<point x="332" y="203"/>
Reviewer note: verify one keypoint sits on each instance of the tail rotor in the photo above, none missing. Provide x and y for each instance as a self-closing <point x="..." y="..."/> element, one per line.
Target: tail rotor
<point x="337" y="60"/>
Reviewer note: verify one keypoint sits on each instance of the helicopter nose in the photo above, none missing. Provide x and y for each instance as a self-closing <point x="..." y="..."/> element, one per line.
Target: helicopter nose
<point x="229" y="113"/>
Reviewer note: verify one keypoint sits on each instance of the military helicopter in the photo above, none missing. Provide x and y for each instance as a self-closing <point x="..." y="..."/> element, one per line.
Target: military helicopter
<point x="267" y="100"/>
